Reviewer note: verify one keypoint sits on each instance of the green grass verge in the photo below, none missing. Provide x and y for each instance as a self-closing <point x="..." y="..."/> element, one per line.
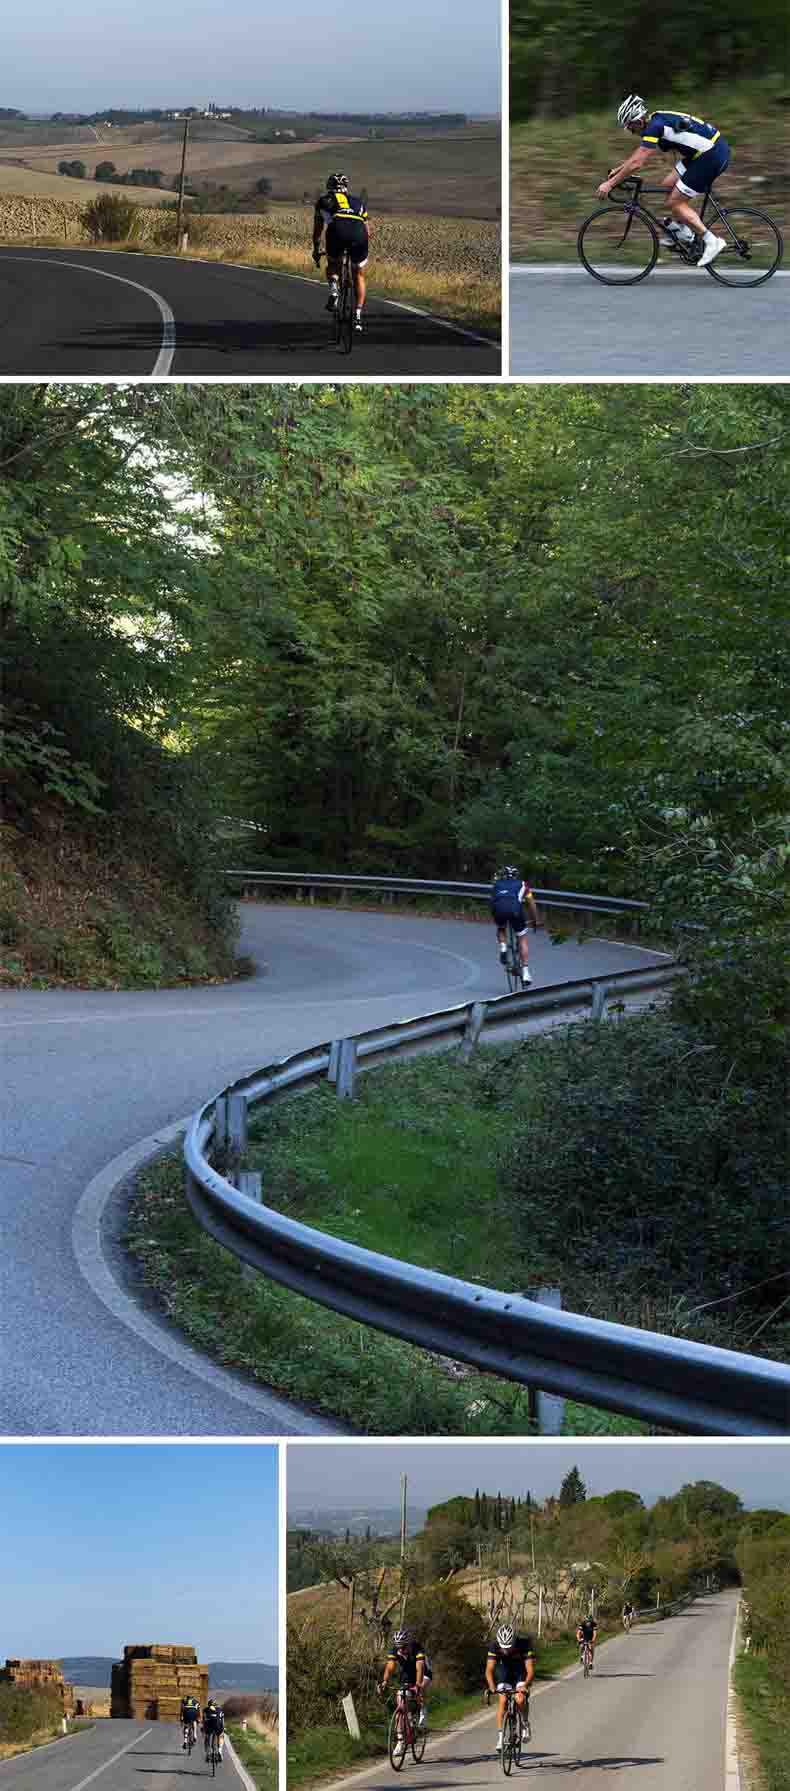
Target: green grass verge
<point x="556" y="164"/>
<point x="257" y="1754"/>
<point x="764" y="1696"/>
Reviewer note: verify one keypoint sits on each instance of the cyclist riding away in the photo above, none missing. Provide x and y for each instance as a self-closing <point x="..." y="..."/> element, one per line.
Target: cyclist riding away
<point x="702" y="154"/>
<point x="213" y="1724"/>
<point x="408" y="1659"/>
<point x="509" y="892"/>
<point x="628" y="1614"/>
<point x="510" y="1666"/>
<point x="190" y="1717"/>
<point x="587" y="1636"/>
<point x="344" y="215"/>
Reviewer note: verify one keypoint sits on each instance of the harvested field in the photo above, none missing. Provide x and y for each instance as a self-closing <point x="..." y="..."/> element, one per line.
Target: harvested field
<point x="39" y="183"/>
<point x="209" y="156"/>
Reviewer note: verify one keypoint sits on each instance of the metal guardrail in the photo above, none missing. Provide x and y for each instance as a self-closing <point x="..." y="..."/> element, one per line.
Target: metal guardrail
<point x="668" y="1381"/>
<point x="546" y="898"/>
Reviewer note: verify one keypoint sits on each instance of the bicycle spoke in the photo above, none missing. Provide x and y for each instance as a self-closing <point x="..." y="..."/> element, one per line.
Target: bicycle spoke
<point x="754" y="247"/>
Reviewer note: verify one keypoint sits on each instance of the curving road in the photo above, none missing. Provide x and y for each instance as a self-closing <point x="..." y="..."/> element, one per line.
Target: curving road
<point x="91" y="1081"/>
<point x="651" y="1718"/>
<point x="677" y="323"/>
<point x="116" y="1755"/>
<point x="75" y="312"/>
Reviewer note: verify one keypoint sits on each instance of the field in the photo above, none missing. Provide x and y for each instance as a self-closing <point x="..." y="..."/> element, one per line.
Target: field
<point x="557" y="164"/>
<point x="19" y="180"/>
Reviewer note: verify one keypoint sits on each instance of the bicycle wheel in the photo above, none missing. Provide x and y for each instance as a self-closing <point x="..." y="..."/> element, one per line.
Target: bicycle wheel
<point x="587" y="1663"/>
<point x="618" y="245"/>
<point x="507" y="1744"/>
<point x="513" y="962"/>
<point x="754" y="247"/>
<point x="517" y="1738"/>
<point x="418" y="1740"/>
<point x="396" y="1742"/>
<point x="345" y="307"/>
<point x="213" y="1757"/>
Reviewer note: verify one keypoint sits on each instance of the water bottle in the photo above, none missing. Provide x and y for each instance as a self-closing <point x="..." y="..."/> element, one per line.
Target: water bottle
<point x="681" y="232"/>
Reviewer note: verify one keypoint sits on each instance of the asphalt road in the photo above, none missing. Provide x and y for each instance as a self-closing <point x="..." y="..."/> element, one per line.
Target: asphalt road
<point x="676" y="324"/>
<point x="651" y="1718"/>
<point x="87" y="1076"/>
<point x="71" y="311"/>
<point x="115" y="1756"/>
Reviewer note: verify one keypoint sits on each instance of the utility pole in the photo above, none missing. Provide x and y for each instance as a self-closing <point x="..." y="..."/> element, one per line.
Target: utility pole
<point x="532" y="1540"/>
<point x="180" y="214"/>
<point x="403" y="1484"/>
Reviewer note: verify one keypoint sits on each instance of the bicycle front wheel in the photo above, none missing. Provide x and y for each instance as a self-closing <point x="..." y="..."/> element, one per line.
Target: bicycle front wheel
<point x="754" y="248"/>
<point x="507" y="1745"/>
<point x="396" y="1746"/>
<point x="418" y="1740"/>
<point x="618" y="245"/>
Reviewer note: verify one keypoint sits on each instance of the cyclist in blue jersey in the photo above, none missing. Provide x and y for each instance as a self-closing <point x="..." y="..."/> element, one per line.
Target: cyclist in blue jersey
<point x="702" y="155"/>
<point x="509" y="892"/>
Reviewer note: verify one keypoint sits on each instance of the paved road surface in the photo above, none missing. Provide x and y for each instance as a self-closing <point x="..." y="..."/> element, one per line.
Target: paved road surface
<point x="675" y="324"/>
<point x="115" y="1756"/>
<point x="73" y="311"/>
<point x="652" y="1718"/>
<point x="86" y="1076"/>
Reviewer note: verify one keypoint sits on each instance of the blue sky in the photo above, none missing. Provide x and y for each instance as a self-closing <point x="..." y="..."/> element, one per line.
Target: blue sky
<point x="360" y="1474"/>
<point x="105" y="1544"/>
<point x="416" y="55"/>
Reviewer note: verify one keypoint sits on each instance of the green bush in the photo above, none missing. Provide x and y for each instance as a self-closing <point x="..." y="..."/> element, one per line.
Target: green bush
<point x="110" y="218"/>
<point x="454" y="1634"/>
<point x="24" y="1714"/>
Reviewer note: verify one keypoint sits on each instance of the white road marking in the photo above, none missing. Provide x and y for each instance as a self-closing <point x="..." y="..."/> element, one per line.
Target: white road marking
<point x="100" y="1769"/>
<point x="732" y="1771"/>
<point x="164" y="359"/>
<point x="565" y="267"/>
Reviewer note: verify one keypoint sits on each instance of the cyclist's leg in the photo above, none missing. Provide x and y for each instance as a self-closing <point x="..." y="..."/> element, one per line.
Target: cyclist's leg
<point x="692" y="183"/>
<point x="501" y="1708"/>
<point x="523" y="946"/>
<point x="334" y="256"/>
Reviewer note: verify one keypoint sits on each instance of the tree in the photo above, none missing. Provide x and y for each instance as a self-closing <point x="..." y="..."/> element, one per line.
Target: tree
<point x="105" y="171"/>
<point x="573" y="1490"/>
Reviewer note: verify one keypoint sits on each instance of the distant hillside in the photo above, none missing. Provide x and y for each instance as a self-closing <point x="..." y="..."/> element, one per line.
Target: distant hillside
<point x="334" y="1520"/>
<point x="254" y="1675"/>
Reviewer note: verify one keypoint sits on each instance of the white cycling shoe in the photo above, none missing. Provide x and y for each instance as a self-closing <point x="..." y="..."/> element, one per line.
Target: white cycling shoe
<point x="713" y="247"/>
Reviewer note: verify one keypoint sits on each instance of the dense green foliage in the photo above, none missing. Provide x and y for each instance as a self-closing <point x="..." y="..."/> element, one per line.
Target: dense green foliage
<point x="570" y="56"/>
<point x="25" y="1714"/>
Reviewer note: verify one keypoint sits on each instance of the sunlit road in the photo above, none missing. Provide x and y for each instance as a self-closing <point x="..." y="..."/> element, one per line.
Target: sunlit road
<point x="676" y="323"/>
<point x="87" y="312"/>
<point x="115" y="1756"/>
<point x="87" y="1076"/>
<point x="651" y="1718"/>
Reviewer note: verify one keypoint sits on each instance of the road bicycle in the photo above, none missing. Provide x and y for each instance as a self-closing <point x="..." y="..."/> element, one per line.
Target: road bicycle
<point x="511" y="962"/>
<point x="587" y="1659"/>
<point x="345" y="309"/>
<point x="515" y="1731"/>
<point x="627" y="1621"/>
<point x="404" y="1730"/>
<point x="214" y="1755"/>
<point x="619" y="243"/>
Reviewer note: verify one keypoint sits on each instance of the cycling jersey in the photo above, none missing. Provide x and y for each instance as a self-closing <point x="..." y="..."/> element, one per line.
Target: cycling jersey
<point x="588" y="1629"/>
<point x="680" y="134"/>
<point x="214" y="1719"/>
<point x="510" y="1664"/>
<point x="507" y="894"/>
<point x="335" y="207"/>
<point x="406" y="1662"/>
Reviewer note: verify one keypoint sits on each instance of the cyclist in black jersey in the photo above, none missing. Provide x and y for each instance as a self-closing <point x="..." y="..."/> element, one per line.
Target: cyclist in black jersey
<point x="408" y="1659"/>
<point x="344" y="216"/>
<point x="190" y="1716"/>
<point x="510" y="1666"/>
<point x="509" y="894"/>
<point x="702" y="154"/>
<point x="587" y="1636"/>
<point x="213" y="1724"/>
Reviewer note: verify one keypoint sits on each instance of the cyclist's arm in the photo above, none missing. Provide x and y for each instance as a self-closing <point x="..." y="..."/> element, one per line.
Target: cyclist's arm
<point x="318" y="230"/>
<point x="490" y="1675"/>
<point x="532" y="909"/>
<point x="420" y="1670"/>
<point x="389" y="1669"/>
<point x="530" y="1672"/>
<point x="633" y="163"/>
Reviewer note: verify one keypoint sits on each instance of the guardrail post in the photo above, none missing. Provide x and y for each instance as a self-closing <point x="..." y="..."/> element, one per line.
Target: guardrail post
<point x="347" y="1070"/>
<point x="230" y="1130"/>
<point x="547" y="1410"/>
<point x="473" y="1029"/>
<point x="334" y="1055"/>
<point x="599" y="994"/>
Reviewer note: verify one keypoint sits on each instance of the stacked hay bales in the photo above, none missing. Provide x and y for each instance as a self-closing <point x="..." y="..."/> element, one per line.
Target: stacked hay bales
<point x="151" y="1680"/>
<point x="39" y="1675"/>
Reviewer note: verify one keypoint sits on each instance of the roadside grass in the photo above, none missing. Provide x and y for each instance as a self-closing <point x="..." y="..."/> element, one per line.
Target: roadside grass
<point x="258" y="1754"/>
<point x="763" y="1691"/>
<point x="556" y="164"/>
<point x="43" y="1738"/>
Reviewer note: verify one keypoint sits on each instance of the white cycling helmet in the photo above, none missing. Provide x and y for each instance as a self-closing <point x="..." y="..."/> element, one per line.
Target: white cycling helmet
<point x="505" y="1636"/>
<point x="632" y="108"/>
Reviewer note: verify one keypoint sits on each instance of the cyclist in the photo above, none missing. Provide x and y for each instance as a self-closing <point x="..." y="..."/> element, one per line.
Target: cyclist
<point x="509" y="892"/>
<point x="510" y="1666"/>
<point x="344" y="215"/>
<point x="213" y="1724"/>
<point x="587" y="1636"/>
<point x="702" y="154"/>
<point x="408" y="1659"/>
<point x="190" y="1717"/>
<point x="628" y="1614"/>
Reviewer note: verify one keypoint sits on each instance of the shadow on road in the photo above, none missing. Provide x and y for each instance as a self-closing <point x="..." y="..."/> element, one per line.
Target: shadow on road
<point x="399" y="333"/>
<point x="602" y="1762"/>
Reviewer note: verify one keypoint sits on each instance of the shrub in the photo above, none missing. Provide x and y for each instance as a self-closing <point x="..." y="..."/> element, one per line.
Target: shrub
<point x="24" y="1714"/>
<point x="110" y="218"/>
<point x="198" y="229"/>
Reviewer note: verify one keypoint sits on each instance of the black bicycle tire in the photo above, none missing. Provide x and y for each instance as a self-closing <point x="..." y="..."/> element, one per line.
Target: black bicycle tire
<point x="346" y="306"/>
<point x="747" y="211"/>
<point x="393" y="1731"/>
<point x="513" y="960"/>
<point x="418" y="1739"/>
<point x="644" y="218"/>
<point x="507" y="1745"/>
<point x="517" y="1741"/>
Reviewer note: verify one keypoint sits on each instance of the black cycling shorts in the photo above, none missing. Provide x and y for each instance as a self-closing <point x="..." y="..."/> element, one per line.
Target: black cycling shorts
<point x="504" y="916"/>
<point x="351" y="234"/>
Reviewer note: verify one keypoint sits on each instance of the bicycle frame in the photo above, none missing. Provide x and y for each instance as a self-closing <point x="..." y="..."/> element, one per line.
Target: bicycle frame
<point x="633" y="184"/>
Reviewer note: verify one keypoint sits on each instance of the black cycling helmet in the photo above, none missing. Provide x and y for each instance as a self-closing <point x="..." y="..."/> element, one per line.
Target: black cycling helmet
<point x="337" y="183"/>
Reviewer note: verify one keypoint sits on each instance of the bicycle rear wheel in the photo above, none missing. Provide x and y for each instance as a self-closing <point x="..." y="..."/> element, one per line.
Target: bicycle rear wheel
<point x="345" y="307"/>
<point x="396" y="1741"/>
<point x="513" y="961"/>
<point x="754" y="247"/>
<point x="618" y="245"/>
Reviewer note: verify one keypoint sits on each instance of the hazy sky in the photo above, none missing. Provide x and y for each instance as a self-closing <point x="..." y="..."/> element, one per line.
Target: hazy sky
<point x="416" y="55"/>
<point x="355" y="1474"/>
<point x="105" y="1544"/>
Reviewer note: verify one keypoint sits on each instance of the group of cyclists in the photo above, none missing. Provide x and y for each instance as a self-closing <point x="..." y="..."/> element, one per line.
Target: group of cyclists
<point x="211" y="1719"/>
<point x="509" y="1667"/>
